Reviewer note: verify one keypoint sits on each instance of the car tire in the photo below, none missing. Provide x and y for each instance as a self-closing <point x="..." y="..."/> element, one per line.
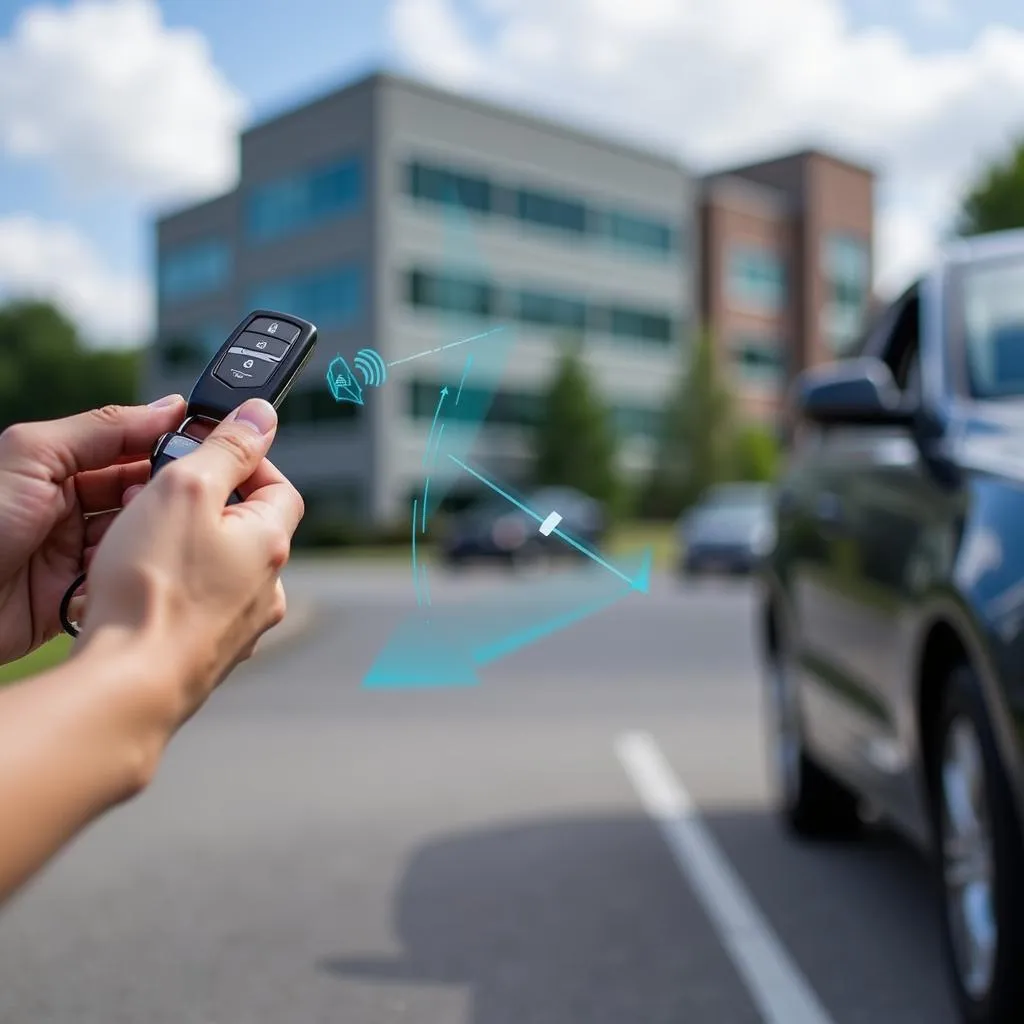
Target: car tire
<point x="978" y="854"/>
<point x="812" y="803"/>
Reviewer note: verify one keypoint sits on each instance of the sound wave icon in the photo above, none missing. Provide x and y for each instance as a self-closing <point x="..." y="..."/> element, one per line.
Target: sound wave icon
<point x="373" y="368"/>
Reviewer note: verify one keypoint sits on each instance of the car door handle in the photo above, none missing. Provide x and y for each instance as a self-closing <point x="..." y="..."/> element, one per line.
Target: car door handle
<point x="828" y="509"/>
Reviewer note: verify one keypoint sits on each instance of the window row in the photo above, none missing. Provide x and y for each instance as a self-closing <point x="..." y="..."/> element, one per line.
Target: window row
<point x="539" y="207"/>
<point x="478" y="297"/>
<point x="506" y="407"/>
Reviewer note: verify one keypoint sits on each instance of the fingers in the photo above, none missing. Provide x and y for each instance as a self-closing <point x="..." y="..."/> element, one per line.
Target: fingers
<point x="271" y="495"/>
<point x="230" y="455"/>
<point x="103" y="489"/>
<point x="95" y="439"/>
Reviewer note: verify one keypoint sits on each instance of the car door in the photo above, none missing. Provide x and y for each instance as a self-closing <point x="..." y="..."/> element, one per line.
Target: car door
<point x="896" y="523"/>
<point x="822" y="492"/>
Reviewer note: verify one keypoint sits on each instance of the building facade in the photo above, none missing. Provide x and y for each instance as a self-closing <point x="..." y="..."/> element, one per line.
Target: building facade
<point x="786" y="268"/>
<point x="399" y="217"/>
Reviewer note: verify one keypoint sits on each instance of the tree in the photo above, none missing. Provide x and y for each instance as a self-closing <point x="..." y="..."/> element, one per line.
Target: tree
<point x="574" y="442"/>
<point x="756" y="454"/>
<point x="46" y="372"/>
<point x="696" y="446"/>
<point x="996" y="200"/>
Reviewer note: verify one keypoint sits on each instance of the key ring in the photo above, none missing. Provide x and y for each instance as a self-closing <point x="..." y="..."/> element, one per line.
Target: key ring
<point x="69" y="627"/>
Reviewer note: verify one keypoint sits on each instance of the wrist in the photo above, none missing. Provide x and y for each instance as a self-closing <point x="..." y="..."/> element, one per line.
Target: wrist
<point x="133" y="686"/>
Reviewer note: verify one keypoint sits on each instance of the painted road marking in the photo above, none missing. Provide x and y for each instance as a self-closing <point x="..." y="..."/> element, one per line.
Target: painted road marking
<point x="781" y="992"/>
<point x="549" y="524"/>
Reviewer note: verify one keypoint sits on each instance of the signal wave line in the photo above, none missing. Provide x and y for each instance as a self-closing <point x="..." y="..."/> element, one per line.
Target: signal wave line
<point x="533" y="515"/>
<point x="441" y="348"/>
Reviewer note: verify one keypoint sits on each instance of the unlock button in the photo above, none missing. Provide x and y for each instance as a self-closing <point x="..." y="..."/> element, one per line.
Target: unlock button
<point x="242" y="371"/>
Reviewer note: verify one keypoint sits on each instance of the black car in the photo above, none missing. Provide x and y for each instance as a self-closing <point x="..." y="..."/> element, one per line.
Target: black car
<point x="728" y="531"/>
<point x="498" y="530"/>
<point x="893" y="613"/>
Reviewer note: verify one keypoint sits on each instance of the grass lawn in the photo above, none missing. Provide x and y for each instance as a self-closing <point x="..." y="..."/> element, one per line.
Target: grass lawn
<point x="39" y="660"/>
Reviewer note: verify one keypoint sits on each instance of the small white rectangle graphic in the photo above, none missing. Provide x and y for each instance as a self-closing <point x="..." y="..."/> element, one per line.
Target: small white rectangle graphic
<point x="550" y="523"/>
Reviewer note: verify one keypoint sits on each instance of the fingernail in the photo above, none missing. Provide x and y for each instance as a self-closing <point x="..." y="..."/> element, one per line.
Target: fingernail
<point x="258" y="414"/>
<point x="165" y="401"/>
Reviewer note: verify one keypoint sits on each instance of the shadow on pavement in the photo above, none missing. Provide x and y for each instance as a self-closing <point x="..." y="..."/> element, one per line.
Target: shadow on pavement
<point x="589" y="920"/>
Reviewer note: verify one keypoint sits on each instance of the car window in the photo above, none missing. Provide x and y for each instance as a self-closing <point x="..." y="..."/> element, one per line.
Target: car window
<point x="992" y="320"/>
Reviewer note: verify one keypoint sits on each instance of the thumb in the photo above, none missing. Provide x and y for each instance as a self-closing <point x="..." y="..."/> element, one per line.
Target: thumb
<point x="236" y="447"/>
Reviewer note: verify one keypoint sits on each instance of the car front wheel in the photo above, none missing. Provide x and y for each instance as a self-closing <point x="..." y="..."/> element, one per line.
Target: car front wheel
<point x="979" y="859"/>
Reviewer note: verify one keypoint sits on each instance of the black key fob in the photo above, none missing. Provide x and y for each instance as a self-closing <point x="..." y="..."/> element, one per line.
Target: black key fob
<point x="261" y="358"/>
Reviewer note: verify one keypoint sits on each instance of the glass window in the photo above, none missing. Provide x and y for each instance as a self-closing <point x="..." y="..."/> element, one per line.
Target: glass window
<point x="639" y="232"/>
<point x="306" y="406"/>
<point x="539" y="308"/>
<point x="992" y="310"/>
<point x="193" y="270"/>
<point x="758" y="361"/>
<point x="504" y="407"/>
<point x="847" y="268"/>
<point x="552" y="211"/>
<point x="756" y="280"/>
<point x="637" y="421"/>
<point x="191" y="346"/>
<point x="442" y="186"/>
<point x="330" y="298"/>
<point x="451" y="293"/>
<point x="297" y="202"/>
<point x="636" y="323"/>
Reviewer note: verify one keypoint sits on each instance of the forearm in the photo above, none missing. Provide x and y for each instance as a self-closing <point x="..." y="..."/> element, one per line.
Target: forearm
<point x="74" y="742"/>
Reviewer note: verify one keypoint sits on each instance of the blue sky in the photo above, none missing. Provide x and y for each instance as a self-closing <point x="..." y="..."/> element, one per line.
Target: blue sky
<point x="926" y="90"/>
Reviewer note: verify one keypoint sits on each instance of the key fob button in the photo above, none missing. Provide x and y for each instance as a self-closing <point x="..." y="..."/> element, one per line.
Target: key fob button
<point x="282" y="329"/>
<point x="241" y="371"/>
<point x="262" y="343"/>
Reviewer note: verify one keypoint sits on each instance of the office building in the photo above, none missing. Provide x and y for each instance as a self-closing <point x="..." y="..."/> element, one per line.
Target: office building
<point x="785" y="268"/>
<point x="342" y="215"/>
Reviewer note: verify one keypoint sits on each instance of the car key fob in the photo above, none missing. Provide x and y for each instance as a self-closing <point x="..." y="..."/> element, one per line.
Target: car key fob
<point x="261" y="358"/>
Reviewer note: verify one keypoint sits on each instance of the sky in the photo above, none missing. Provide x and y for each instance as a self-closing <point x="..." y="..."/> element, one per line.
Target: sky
<point x="114" y="110"/>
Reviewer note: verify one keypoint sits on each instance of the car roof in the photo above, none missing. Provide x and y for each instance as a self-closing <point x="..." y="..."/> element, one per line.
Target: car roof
<point x="975" y="248"/>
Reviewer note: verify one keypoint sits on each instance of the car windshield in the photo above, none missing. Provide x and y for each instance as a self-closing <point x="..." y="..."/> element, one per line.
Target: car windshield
<point x="993" y="314"/>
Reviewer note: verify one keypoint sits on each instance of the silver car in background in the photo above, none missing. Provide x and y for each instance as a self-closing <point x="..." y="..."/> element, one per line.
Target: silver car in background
<point x="728" y="531"/>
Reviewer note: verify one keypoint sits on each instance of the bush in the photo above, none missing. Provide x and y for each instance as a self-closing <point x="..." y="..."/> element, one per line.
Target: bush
<point x="756" y="454"/>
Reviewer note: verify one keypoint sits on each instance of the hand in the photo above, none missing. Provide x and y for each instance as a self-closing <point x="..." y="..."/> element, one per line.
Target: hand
<point x="187" y="581"/>
<point x="52" y="475"/>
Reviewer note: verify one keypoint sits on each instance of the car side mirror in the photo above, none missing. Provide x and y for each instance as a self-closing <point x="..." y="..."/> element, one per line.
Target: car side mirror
<point x="855" y="391"/>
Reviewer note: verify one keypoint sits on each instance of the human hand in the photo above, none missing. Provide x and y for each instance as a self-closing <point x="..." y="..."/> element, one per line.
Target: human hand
<point x="52" y="475"/>
<point x="184" y="580"/>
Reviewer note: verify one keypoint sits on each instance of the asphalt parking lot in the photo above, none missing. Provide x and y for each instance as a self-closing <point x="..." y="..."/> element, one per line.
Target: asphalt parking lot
<point x="586" y="835"/>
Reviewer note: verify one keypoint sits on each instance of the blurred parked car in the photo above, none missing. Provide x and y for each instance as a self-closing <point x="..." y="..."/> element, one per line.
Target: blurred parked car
<point x="894" y="603"/>
<point x="496" y="529"/>
<point x="728" y="531"/>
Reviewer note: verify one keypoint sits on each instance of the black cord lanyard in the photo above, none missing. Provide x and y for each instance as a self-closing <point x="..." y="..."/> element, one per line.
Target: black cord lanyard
<point x="69" y="627"/>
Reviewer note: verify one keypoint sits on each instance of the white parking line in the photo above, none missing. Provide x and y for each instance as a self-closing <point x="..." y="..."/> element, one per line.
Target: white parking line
<point x="780" y="991"/>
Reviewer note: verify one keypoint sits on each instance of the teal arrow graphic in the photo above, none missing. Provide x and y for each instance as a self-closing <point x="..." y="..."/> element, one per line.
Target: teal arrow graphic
<point x="446" y="645"/>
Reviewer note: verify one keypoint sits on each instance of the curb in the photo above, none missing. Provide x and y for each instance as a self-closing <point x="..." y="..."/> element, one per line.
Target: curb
<point x="302" y="616"/>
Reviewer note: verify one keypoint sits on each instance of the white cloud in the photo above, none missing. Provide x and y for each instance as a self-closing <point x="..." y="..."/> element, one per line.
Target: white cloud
<point x="738" y="79"/>
<point x="114" y="99"/>
<point x="52" y="260"/>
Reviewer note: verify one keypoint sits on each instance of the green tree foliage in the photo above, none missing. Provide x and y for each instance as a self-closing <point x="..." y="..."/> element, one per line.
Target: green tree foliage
<point x="996" y="200"/>
<point x="756" y="453"/>
<point x="696" y="448"/>
<point x="46" y="372"/>
<point x="574" y="442"/>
